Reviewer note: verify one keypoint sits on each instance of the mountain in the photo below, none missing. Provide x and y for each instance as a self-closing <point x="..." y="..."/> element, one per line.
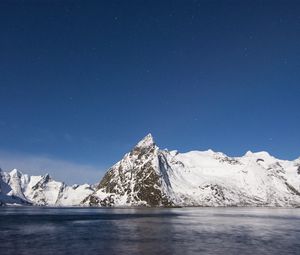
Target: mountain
<point x="149" y="176"/>
<point x="153" y="177"/>
<point x="21" y="189"/>
<point x="140" y="178"/>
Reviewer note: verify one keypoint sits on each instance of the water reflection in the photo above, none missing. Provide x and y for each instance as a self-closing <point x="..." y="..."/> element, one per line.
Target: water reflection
<point x="149" y="231"/>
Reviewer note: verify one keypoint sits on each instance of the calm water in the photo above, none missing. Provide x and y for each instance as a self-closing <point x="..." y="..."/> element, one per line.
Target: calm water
<point x="149" y="231"/>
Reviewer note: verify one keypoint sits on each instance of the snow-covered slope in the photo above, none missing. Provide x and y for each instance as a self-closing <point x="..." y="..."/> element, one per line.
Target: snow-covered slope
<point x="11" y="188"/>
<point x="153" y="177"/>
<point x="22" y="189"/>
<point x="149" y="176"/>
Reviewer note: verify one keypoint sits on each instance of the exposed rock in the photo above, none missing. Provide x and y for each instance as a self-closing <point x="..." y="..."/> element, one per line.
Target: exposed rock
<point x="148" y="176"/>
<point x="136" y="179"/>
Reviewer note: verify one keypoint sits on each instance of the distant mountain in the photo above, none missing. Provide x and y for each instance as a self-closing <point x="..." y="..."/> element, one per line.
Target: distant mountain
<point x="149" y="176"/>
<point x="22" y="189"/>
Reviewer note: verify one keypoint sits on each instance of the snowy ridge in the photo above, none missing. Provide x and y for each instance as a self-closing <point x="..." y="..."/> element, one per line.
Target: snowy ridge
<point x="149" y="176"/>
<point x="153" y="177"/>
<point x="17" y="188"/>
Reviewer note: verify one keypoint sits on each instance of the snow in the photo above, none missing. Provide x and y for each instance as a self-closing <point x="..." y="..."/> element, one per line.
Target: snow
<point x="19" y="188"/>
<point x="147" y="141"/>
<point x="208" y="178"/>
<point x="74" y="196"/>
<point x="195" y="178"/>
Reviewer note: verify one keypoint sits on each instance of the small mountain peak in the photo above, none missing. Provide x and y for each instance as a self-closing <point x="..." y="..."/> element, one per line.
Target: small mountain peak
<point x="46" y="177"/>
<point x="210" y="151"/>
<point x="16" y="173"/>
<point x="147" y="141"/>
<point x="75" y="186"/>
<point x="145" y="146"/>
<point x="248" y="153"/>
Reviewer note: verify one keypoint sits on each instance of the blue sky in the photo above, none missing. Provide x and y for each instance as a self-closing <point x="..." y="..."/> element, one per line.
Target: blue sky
<point x="81" y="83"/>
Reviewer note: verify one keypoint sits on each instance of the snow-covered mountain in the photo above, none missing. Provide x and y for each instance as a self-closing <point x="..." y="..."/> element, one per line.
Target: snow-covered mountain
<point x="153" y="177"/>
<point x="149" y="176"/>
<point x="22" y="189"/>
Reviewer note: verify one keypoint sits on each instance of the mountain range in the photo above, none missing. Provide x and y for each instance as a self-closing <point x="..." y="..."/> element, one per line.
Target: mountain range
<point x="150" y="176"/>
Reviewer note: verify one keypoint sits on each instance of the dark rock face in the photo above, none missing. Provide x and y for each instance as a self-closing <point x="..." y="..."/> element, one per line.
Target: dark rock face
<point x="93" y="200"/>
<point x="107" y="182"/>
<point x="229" y="160"/>
<point x="42" y="182"/>
<point x="149" y="187"/>
<point x="137" y="177"/>
<point x="292" y="189"/>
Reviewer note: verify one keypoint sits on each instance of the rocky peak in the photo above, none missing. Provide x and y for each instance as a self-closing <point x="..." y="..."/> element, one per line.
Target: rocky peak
<point x="42" y="182"/>
<point x="144" y="147"/>
<point x="138" y="179"/>
<point x="15" y="173"/>
<point x="248" y="154"/>
<point x="46" y="178"/>
<point x="146" y="142"/>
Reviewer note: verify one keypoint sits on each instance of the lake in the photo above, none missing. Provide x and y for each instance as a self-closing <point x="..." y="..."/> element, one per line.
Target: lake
<point x="36" y="230"/>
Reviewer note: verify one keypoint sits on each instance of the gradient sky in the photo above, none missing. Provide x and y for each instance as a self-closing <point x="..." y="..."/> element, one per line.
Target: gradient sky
<point x="82" y="81"/>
